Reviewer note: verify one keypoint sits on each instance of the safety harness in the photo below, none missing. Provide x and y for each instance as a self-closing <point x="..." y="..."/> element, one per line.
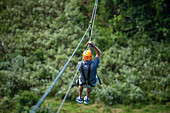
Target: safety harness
<point x="87" y="81"/>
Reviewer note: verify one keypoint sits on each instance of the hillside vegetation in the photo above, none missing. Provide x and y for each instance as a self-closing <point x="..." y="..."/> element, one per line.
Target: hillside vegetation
<point x="39" y="36"/>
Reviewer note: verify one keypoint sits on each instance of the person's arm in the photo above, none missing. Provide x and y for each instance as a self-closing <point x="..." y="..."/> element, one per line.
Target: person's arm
<point x="98" y="52"/>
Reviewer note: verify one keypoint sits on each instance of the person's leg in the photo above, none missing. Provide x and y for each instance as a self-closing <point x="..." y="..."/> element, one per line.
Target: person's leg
<point x="79" y="98"/>
<point x="88" y="92"/>
<point x="87" y="98"/>
<point x="80" y="91"/>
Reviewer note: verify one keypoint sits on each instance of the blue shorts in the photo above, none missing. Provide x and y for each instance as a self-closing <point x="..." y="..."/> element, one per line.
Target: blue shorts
<point x="86" y="85"/>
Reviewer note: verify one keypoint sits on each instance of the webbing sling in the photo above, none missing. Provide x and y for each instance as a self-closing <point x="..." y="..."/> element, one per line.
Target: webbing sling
<point x="88" y="76"/>
<point x="99" y="79"/>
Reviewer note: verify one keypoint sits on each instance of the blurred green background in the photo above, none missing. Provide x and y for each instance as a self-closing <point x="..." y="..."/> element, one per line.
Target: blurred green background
<point x="39" y="36"/>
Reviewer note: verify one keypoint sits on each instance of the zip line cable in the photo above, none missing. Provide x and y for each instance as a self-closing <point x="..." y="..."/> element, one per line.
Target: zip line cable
<point x="91" y="31"/>
<point x="95" y="6"/>
<point x="53" y="83"/>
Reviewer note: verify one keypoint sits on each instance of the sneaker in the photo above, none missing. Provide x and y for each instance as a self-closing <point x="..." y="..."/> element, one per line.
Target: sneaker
<point x="79" y="100"/>
<point x="86" y="101"/>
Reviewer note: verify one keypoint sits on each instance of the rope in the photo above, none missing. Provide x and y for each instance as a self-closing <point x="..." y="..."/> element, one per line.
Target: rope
<point x="53" y="83"/>
<point x="93" y="20"/>
<point x="91" y="31"/>
<point x="79" y="65"/>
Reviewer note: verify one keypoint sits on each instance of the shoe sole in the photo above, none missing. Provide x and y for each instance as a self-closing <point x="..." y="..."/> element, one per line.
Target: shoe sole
<point x="86" y="103"/>
<point x="80" y="102"/>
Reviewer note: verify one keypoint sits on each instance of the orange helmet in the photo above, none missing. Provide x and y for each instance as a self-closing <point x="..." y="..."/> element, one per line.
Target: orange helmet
<point x="87" y="55"/>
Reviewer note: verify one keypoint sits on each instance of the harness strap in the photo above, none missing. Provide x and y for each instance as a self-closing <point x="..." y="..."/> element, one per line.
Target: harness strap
<point x="99" y="80"/>
<point x="88" y="76"/>
<point x="84" y="77"/>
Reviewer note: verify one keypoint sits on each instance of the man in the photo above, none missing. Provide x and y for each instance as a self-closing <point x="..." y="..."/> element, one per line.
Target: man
<point x="88" y="71"/>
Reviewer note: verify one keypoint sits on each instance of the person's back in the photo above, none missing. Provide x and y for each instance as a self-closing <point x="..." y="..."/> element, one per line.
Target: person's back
<point x="84" y="66"/>
<point x="88" y="70"/>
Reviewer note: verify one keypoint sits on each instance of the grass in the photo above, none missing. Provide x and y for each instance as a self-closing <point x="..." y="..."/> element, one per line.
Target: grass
<point x="51" y="105"/>
<point x="139" y="108"/>
<point x="74" y="107"/>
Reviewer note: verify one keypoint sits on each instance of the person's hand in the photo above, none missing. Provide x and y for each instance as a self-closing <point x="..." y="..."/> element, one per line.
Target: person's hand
<point x="91" y="44"/>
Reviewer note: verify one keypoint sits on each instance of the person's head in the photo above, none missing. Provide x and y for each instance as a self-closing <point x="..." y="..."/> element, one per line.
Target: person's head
<point x="87" y="55"/>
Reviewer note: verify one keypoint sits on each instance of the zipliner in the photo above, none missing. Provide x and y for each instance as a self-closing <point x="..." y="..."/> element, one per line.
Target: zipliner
<point x="88" y="71"/>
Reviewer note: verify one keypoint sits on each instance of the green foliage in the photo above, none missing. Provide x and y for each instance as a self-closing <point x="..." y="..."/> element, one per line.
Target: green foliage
<point x="6" y="104"/>
<point x="38" y="37"/>
<point x="100" y="37"/>
<point x="46" y="109"/>
<point x="28" y="99"/>
<point x="137" y="18"/>
<point x="39" y="55"/>
<point x="25" y="101"/>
